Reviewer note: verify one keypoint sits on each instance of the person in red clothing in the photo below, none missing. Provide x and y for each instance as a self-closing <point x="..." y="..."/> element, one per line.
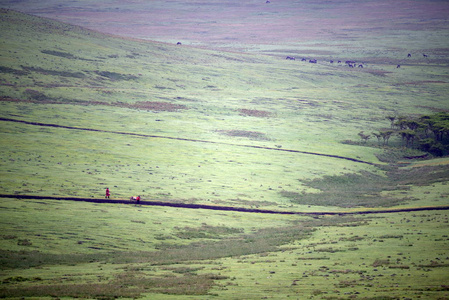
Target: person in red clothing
<point x="107" y="193"/>
<point x="135" y="198"/>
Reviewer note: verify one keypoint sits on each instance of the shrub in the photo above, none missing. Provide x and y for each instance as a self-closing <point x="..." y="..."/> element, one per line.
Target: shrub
<point x="35" y="95"/>
<point x="24" y="242"/>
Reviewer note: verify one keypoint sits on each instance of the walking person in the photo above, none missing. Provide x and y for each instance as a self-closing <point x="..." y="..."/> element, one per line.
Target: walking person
<point x="107" y="193"/>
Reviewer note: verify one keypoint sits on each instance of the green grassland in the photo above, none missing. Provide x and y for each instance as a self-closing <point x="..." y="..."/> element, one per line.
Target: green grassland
<point x="81" y="111"/>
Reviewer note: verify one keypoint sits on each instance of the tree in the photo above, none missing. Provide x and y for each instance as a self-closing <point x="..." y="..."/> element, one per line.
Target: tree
<point x="401" y="122"/>
<point x="412" y="124"/>
<point x="392" y="119"/>
<point x="364" y="137"/>
<point x="408" y="135"/>
<point x="378" y="136"/>
<point x="438" y="124"/>
<point x="386" y="136"/>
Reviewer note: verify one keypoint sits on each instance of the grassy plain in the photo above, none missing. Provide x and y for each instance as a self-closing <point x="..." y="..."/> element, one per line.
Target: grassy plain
<point x="182" y="124"/>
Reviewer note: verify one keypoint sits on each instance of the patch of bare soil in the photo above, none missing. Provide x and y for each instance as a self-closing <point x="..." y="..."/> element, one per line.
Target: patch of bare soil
<point x="148" y="105"/>
<point x="380" y="73"/>
<point x="254" y="135"/>
<point x="255" y="113"/>
<point x="159" y="106"/>
<point x="420" y="82"/>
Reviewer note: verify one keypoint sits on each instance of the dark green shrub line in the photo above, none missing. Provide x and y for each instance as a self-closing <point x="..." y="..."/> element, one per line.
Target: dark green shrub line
<point x="12" y="71"/>
<point x="59" y="53"/>
<point x="207" y="232"/>
<point x="97" y="291"/>
<point x="64" y="55"/>
<point x="30" y="259"/>
<point x="116" y="76"/>
<point x="125" y="285"/>
<point x="262" y="241"/>
<point x="54" y="72"/>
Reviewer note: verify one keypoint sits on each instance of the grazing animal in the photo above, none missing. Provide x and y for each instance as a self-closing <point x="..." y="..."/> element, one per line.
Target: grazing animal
<point x="303" y="59"/>
<point x="331" y="61"/>
<point x="351" y="65"/>
<point x="361" y="66"/>
<point x="178" y="43"/>
<point x="409" y="55"/>
<point x="349" y="62"/>
<point x="290" y="58"/>
<point x="425" y="55"/>
<point x="339" y="61"/>
<point x="312" y="61"/>
<point x="398" y="66"/>
<point x="268" y="1"/>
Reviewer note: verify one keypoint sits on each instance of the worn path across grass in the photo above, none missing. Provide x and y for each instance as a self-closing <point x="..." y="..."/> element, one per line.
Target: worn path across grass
<point x="227" y="208"/>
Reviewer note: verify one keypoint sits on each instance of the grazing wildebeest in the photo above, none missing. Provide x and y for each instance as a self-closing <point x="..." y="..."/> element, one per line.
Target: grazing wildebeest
<point x="290" y="58"/>
<point x="398" y="66"/>
<point x="409" y="55"/>
<point x="303" y="59"/>
<point x="312" y="61"/>
<point x="339" y="61"/>
<point x="351" y="65"/>
<point x="361" y="66"/>
<point x="178" y="43"/>
<point x="349" y="62"/>
<point x="268" y="1"/>
<point x="331" y="61"/>
<point x="425" y="55"/>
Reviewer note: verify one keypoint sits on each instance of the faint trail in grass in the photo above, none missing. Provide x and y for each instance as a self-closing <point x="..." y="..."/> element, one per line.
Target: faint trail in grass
<point x="227" y="208"/>
<point x="187" y="140"/>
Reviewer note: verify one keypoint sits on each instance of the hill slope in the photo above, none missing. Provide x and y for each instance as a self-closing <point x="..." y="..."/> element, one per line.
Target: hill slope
<point x="208" y="126"/>
<point x="81" y="111"/>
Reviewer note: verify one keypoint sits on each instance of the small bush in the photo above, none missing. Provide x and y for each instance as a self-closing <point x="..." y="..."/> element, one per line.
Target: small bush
<point x="255" y="113"/>
<point x="35" y="95"/>
<point x="380" y="262"/>
<point x="59" y="53"/>
<point x="9" y="237"/>
<point x="254" y="135"/>
<point x="116" y="76"/>
<point x="24" y="242"/>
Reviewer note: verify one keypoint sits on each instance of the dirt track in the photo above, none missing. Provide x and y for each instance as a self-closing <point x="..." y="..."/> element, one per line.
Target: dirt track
<point x="226" y="208"/>
<point x="184" y="139"/>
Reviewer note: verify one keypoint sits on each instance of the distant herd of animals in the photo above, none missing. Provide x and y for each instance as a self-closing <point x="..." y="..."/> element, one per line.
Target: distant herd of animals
<point x="349" y="63"/>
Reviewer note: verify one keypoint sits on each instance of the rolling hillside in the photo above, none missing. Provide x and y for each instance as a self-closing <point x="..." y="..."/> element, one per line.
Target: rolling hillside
<point x="204" y="107"/>
<point x="81" y="111"/>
